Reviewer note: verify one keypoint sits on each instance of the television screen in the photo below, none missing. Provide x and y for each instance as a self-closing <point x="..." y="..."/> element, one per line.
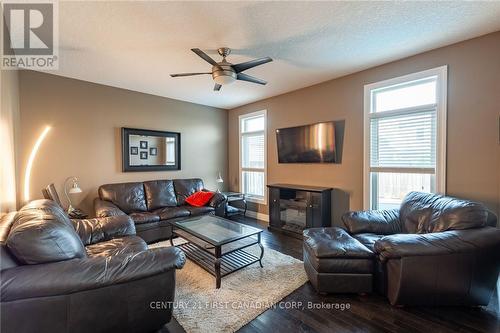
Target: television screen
<point x="307" y="144"/>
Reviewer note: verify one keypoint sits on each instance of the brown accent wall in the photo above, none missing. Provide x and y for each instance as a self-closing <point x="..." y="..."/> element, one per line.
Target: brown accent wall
<point x="473" y="152"/>
<point x="85" y="139"/>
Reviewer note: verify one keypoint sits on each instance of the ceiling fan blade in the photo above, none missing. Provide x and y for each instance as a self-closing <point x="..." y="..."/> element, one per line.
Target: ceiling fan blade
<point x="217" y="87"/>
<point x="187" y="74"/>
<point x="249" y="64"/>
<point x="245" y="77"/>
<point x="205" y="56"/>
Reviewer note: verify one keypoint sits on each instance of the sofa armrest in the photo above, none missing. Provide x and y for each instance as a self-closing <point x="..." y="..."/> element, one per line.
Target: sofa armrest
<point x="491" y="220"/>
<point x="105" y="208"/>
<point x="101" y="229"/>
<point x="217" y="200"/>
<point x="439" y="243"/>
<point x="381" y="222"/>
<point x="66" y="277"/>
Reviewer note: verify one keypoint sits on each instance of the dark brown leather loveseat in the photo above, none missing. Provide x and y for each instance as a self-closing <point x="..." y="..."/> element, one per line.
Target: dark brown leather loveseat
<point x="93" y="275"/>
<point x="153" y="205"/>
<point x="433" y="250"/>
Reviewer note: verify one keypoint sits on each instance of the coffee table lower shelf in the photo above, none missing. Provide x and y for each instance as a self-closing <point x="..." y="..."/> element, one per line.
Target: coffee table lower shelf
<point x="228" y="263"/>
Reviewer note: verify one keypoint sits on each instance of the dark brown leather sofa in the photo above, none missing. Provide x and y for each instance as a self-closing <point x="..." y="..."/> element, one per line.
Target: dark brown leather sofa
<point x="153" y="205"/>
<point x="94" y="275"/>
<point x="434" y="250"/>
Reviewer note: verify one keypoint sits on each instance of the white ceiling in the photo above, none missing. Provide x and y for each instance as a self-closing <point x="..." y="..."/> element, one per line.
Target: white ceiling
<point x="136" y="45"/>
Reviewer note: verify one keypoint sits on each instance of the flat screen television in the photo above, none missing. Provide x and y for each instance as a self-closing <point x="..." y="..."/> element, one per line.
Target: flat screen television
<point x="313" y="143"/>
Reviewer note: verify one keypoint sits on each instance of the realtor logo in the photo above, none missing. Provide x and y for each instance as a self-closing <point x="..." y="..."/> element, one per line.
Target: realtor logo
<point x="30" y="35"/>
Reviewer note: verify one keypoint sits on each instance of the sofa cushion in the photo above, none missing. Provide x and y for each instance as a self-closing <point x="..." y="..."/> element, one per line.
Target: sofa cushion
<point x="144" y="217"/>
<point x="196" y="211"/>
<point x="368" y="240"/>
<point x="129" y="197"/>
<point x="168" y="213"/>
<point x="159" y="194"/>
<point x="373" y="221"/>
<point x="200" y="198"/>
<point x="334" y="243"/>
<point x="42" y="233"/>
<point x="426" y="212"/>
<point x="117" y="246"/>
<point x="338" y="265"/>
<point x="185" y="187"/>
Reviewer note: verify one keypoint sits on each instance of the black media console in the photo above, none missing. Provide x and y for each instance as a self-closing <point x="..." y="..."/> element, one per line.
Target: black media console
<point x="293" y="208"/>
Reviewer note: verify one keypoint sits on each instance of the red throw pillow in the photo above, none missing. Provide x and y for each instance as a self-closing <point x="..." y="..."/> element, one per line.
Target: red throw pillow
<point x="199" y="199"/>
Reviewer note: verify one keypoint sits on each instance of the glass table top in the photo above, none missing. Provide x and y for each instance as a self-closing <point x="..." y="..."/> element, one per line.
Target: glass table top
<point x="216" y="230"/>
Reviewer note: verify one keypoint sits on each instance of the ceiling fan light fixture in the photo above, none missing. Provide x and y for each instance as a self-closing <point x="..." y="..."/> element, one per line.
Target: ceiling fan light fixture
<point x="224" y="76"/>
<point x="224" y="79"/>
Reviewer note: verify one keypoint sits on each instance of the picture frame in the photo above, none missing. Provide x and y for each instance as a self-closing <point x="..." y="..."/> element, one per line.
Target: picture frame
<point x="153" y="151"/>
<point x="144" y="155"/>
<point x="134" y="150"/>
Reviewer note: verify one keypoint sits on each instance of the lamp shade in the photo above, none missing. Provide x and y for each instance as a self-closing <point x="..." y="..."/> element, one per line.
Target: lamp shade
<point x="75" y="189"/>
<point x="219" y="179"/>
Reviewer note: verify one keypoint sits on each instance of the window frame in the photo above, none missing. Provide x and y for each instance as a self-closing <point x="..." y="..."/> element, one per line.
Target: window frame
<point x="262" y="201"/>
<point x="441" y="74"/>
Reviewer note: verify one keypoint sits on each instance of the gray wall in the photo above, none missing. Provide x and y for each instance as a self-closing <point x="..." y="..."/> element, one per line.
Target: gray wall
<point x="86" y="119"/>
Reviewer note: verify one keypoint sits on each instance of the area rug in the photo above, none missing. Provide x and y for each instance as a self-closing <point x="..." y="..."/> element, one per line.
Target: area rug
<point x="243" y="295"/>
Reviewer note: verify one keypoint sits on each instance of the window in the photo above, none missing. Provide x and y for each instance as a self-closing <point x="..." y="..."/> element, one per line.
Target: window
<point x="253" y="156"/>
<point x="170" y="151"/>
<point x="405" y="137"/>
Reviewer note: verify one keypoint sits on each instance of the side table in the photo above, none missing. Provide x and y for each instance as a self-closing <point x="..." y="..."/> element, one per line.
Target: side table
<point x="78" y="214"/>
<point x="232" y="198"/>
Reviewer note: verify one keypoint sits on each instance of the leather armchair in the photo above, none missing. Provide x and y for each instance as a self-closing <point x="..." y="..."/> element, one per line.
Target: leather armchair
<point x="113" y="281"/>
<point x="434" y="250"/>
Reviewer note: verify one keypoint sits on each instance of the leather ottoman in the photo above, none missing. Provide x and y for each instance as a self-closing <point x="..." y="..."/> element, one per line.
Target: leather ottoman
<point x="335" y="262"/>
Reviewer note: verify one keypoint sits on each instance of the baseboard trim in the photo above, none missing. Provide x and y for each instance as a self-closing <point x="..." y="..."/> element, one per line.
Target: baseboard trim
<point x="257" y="215"/>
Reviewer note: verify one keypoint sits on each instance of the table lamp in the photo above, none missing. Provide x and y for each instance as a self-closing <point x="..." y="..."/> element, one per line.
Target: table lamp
<point x="75" y="188"/>
<point x="219" y="180"/>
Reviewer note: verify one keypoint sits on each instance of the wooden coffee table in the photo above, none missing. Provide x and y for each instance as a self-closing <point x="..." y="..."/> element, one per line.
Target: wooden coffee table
<point x="217" y="244"/>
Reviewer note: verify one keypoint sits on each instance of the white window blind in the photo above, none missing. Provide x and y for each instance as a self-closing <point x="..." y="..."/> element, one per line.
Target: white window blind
<point x="253" y="156"/>
<point x="253" y="151"/>
<point x="404" y="141"/>
<point x="405" y="137"/>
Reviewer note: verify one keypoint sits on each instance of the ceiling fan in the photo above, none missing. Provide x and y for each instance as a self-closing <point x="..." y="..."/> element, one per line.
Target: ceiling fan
<point x="225" y="72"/>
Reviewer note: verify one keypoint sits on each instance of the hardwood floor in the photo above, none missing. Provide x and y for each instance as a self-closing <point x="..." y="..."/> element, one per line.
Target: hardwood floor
<point x="370" y="313"/>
